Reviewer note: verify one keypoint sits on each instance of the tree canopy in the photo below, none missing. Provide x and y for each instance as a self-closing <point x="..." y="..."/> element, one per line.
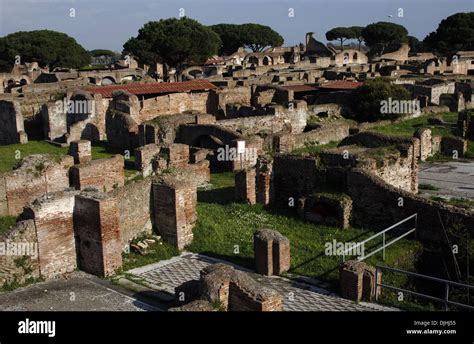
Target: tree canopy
<point x="102" y="52"/>
<point x="454" y="33"/>
<point x="253" y="36"/>
<point x="173" y="41"/>
<point x="383" y="34"/>
<point x="340" y="33"/>
<point x="48" y="48"/>
<point x="357" y="34"/>
<point x="367" y="99"/>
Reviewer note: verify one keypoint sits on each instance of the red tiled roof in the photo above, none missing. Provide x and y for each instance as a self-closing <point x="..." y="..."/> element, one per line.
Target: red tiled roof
<point x="153" y="88"/>
<point x="300" y="88"/>
<point x="342" y="85"/>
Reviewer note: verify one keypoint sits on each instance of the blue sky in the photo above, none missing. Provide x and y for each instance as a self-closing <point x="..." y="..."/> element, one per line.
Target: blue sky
<point x="109" y="23"/>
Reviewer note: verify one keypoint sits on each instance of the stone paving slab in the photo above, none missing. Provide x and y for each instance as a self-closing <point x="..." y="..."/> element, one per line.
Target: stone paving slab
<point x="167" y="275"/>
<point x="79" y="292"/>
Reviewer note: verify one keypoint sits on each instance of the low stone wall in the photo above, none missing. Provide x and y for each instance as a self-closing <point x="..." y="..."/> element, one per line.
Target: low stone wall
<point x="357" y="281"/>
<point x="377" y="205"/>
<point x="326" y="209"/>
<point x="102" y="174"/>
<point x="35" y="176"/>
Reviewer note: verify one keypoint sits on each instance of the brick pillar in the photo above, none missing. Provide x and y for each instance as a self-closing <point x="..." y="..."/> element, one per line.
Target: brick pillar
<point x="215" y="280"/>
<point x="96" y="226"/>
<point x="424" y="134"/>
<point x="178" y="155"/>
<point x="144" y="157"/>
<point x="263" y="188"/>
<point x="174" y="203"/>
<point x="272" y="252"/>
<point x="369" y="289"/>
<point x="53" y="217"/>
<point x="245" y="186"/>
<point x="80" y="151"/>
<point x="351" y="278"/>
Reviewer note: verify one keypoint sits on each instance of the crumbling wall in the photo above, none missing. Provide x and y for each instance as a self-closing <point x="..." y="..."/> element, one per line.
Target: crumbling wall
<point x="35" y="176"/>
<point x="19" y="267"/>
<point x="377" y="205"/>
<point x="53" y="219"/>
<point x="11" y="123"/>
<point x="101" y="174"/>
<point x="135" y="208"/>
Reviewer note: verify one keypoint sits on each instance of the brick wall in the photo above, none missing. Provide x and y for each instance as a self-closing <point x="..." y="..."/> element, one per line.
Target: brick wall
<point x="102" y="174"/>
<point x="97" y="231"/>
<point x="144" y="157"/>
<point x="245" y="186"/>
<point x="53" y="218"/>
<point x="35" y="176"/>
<point x="135" y="209"/>
<point x="174" y="204"/>
<point x="11" y="123"/>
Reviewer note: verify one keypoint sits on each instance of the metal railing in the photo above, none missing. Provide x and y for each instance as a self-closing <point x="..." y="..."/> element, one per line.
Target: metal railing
<point x="447" y="283"/>
<point x="384" y="244"/>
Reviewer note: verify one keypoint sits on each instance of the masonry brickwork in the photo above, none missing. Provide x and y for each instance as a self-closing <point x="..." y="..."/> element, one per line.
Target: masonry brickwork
<point x="245" y="190"/>
<point x="81" y="151"/>
<point x="271" y="251"/>
<point x="97" y="232"/>
<point x="101" y="174"/>
<point x="174" y="204"/>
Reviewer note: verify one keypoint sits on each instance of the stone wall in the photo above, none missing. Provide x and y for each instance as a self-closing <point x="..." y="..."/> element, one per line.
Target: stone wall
<point x="144" y="157"/>
<point x="235" y="95"/>
<point x="102" y="174"/>
<point x="11" y="123"/>
<point x="245" y="190"/>
<point x="135" y="209"/>
<point x="378" y="205"/>
<point x="80" y="151"/>
<point x="326" y="209"/>
<point x="35" y="176"/>
<point x="19" y="267"/>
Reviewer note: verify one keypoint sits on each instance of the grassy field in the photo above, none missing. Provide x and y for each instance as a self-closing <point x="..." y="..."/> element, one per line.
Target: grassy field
<point x="407" y="129"/>
<point x="6" y="222"/>
<point x="225" y="230"/>
<point x="11" y="154"/>
<point x="311" y="149"/>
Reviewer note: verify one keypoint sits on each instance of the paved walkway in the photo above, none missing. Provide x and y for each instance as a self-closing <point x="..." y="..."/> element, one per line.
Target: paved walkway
<point x="455" y="179"/>
<point x="167" y="275"/>
<point x="79" y="292"/>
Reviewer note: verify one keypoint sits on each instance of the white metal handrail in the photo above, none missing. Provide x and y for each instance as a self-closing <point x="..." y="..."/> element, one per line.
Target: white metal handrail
<point x="384" y="244"/>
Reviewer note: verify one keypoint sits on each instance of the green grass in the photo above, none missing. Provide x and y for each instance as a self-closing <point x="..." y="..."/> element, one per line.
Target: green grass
<point x="407" y="129"/>
<point x="155" y="253"/>
<point x="224" y="228"/>
<point x="6" y="222"/>
<point x="465" y="203"/>
<point x="10" y="155"/>
<point x="427" y="187"/>
<point x="314" y="148"/>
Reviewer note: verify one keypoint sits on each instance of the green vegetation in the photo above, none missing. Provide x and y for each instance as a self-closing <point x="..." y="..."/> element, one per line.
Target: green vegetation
<point x="48" y="48"/>
<point x="379" y="35"/>
<point x="367" y="100"/>
<point x="6" y="222"/>
<point x="155" y="252"/>
<point x="454" y="33"/>
<point x="465" y="203"/>
<point x="253" y="36"/>
<point x="313" y="148"/>
<point x="427" y="187"/>
<point x="175" y="42"/>
<point x="10" y="155"/>
<point x="15" y="283"/>
<point x="406" y="128"/>
<point x="341" y="34"/>
<point x="223" y="228"/>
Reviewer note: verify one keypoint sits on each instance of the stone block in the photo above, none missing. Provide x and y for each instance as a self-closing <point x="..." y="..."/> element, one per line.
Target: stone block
<point x="272" y="252"/>
<point x="80" y="151"/>
<point x="144" y="158"/>
<point x="245" y="190"/>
